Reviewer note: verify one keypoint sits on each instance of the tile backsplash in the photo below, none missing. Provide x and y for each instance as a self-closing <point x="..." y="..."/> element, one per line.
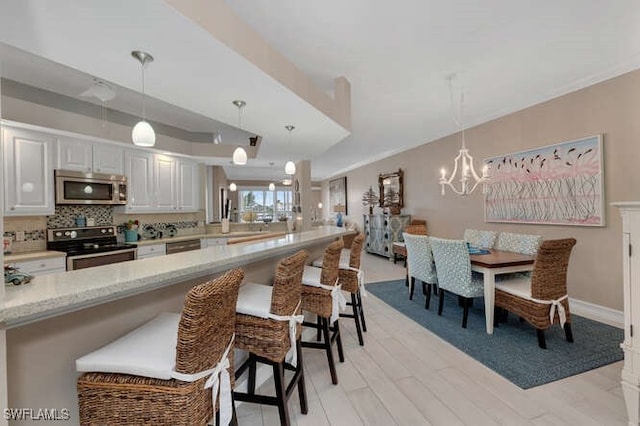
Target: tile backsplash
<point x="34" y="228"/>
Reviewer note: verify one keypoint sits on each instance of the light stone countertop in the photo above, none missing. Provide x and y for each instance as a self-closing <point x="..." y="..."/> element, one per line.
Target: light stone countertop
<point x="55" y="294"/>
<point x="33" y="255"/>
<point x="198" y="236"/>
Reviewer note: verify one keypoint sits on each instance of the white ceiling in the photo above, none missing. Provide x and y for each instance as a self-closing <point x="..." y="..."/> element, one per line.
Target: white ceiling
<point x="508" y="54"/>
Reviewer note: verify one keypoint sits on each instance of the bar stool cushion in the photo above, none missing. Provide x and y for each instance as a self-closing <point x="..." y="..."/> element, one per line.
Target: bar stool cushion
<point x="255" y="300"/>
<point x="147" y="351"/>
<point x="311" y="276"/>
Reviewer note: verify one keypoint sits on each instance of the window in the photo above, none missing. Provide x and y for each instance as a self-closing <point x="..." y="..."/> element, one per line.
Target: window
<point x="264" y="204"/>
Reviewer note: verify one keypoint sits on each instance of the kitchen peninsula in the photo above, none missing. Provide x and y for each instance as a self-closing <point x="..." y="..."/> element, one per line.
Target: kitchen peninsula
<point x="59" y="317"/>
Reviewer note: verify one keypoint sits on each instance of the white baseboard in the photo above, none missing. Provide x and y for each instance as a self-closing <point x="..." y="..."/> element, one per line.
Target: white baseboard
<point x="597" y="313"/>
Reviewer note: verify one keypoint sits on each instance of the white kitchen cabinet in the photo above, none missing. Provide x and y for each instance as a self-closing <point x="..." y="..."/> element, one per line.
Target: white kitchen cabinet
<point x="630" y="212"/>
<point x="28" y="172"/>
<point x="151" y="250"/>
<point x="41" y="266"/>
<point x="86" y="156"/>
<point x="188" y="186"/>
<point x="212" y="241"/>
<point x="165" y="183"/>
<point x="141" y="188"/>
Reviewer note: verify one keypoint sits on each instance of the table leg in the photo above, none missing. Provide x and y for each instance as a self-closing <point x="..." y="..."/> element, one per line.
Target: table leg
<point x="489" y="298"/>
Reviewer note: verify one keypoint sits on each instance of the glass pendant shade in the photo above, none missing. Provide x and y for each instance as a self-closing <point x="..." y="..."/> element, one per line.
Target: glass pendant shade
<point x="287" y="181"/>
<point x="232" y="187"/>
<point x="240" y="156"/>
<point x="143" y="134"/>
<point x="290" y="168"/>
<point x="272" y="187"/>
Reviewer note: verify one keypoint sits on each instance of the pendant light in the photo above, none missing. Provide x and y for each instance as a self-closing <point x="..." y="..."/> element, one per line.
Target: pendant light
<point x="290" y="166"/>
<point x="142" y="133"/>
<point x="272" y="187"/>
<point x="233" y="187"/>
<point x="239" y="155"/>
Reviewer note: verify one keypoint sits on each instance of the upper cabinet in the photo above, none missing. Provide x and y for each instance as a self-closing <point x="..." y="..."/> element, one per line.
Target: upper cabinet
<point x="161" y="183"/>
<point x="86" y="156"/>
<point x="28" y="172"/>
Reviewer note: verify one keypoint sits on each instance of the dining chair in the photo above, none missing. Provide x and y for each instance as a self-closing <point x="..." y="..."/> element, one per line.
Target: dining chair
<point x="542" y="299"/>
<point x="479" y="238"/>
<point x="168" y="370"/>
<point x="453" y="266"/>
<point x="518" y="243"/>
<point x="420" y="265"/>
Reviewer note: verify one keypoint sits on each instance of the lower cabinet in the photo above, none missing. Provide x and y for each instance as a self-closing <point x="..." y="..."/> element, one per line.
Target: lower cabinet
<point x="151" y="250"/>
<point x="210" y="242"/>
<point x="41" y="266"/>
<point x="382" y="230"/>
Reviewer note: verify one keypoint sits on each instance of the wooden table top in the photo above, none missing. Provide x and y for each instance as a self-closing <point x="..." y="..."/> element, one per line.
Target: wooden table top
<point x="500" y="259"/>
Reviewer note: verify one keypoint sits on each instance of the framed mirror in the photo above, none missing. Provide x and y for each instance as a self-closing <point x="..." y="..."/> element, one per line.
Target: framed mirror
<point x="391" y="189"/>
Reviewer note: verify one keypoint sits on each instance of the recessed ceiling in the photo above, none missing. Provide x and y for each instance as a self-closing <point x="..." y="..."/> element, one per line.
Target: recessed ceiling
<point x="508" y="55"/>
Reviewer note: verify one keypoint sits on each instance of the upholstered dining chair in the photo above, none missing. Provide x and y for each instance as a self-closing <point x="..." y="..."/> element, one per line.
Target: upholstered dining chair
<point x="541" y="300"/>
<point x="453" y="266"/>
<point x="169" y="370"/>
<point x="479" y="238"/>
<point x="518" y="243"/>
<point x="420" y="264"/>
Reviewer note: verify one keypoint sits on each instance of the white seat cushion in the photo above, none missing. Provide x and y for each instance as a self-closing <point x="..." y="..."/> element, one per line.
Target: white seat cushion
<point x="147" y="351"/>
<point x="520" y="287"/>
<point x="345" y="259"/>
<point x="400" y="244"/>
<point x="311" y="276"/>
<point x="254" y="300"/>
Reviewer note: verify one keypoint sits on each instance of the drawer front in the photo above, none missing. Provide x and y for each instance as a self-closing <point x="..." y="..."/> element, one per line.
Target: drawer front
<point x="209" y="242"/>
<point x="151" y="250"/>
<point x="42" y="266"/>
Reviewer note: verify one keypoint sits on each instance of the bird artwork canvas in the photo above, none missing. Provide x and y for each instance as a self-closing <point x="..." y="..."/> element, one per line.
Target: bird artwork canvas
<point x="560" y="184"/>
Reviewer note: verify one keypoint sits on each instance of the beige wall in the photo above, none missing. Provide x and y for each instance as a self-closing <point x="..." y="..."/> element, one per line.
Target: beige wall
<point x="610" y="108"/>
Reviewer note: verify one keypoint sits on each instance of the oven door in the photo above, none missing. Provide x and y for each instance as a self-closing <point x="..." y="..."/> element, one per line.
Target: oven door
<point x="99" y="259"/>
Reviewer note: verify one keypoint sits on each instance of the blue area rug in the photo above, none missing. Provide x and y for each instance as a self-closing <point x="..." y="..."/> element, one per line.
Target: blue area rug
<point x="512" y="351"/>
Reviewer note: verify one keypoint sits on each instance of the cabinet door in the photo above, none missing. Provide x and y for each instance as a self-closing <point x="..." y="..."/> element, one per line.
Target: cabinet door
<point x="188" y="186"/>
<point x="28" y="172"/>
<point x="74" y="154"/>
<point x="165" y="181"/>
<point x="108" y="159"/>
<point x="139" y="172"/>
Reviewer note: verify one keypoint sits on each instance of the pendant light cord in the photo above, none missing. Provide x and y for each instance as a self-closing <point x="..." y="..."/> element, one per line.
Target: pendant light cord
<point x="144" y="110"/>
<point x="458" y="121"/>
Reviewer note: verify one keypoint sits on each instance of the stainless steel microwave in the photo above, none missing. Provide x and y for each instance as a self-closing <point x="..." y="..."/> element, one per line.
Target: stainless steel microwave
<point x="90" y="188"/>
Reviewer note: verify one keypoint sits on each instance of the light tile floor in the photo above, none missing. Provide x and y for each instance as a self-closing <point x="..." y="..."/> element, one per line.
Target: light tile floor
<point x="405" y="375"/>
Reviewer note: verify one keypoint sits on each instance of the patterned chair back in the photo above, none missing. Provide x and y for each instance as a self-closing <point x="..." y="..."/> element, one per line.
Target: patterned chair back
<point x="480" y="239"/>
<point x="453" y="266"/>
<point x="419" y="258"/>
<point x="518" y="243"/>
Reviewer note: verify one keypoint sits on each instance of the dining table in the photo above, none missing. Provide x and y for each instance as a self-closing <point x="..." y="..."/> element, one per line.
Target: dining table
<point x="492" y="263"/>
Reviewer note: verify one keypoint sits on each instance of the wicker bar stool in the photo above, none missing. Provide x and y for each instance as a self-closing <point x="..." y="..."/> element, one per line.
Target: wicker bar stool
<point x="321" y="295"/>
<point x="267" y="319"/>
<point x="167" y="372"/>
<point x="350" y="278"/>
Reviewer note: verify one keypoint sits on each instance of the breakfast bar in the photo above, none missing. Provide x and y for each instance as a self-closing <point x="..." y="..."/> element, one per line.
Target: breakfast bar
<point x="56" y="318"/>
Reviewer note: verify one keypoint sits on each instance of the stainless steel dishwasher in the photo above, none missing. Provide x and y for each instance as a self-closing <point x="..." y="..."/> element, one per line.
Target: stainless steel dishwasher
<point x="180" y="246"/>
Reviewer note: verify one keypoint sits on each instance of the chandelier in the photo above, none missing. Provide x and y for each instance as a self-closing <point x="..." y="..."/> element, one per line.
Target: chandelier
<point x="469" y="179"/>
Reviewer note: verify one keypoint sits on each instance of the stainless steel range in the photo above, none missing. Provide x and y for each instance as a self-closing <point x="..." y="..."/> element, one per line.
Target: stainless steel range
<point x="89" y="246"/>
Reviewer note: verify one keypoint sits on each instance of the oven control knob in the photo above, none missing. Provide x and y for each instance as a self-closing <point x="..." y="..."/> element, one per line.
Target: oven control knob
<point x="58" y="234"/>
<point x="104" y="231"/>
<point x="67" y="233"/>
<point x="74" y="234"/>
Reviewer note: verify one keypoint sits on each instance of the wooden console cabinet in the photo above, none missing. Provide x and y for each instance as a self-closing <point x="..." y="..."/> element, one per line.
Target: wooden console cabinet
<point x="630" y="212"/>
<point x="381" y="230"/>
